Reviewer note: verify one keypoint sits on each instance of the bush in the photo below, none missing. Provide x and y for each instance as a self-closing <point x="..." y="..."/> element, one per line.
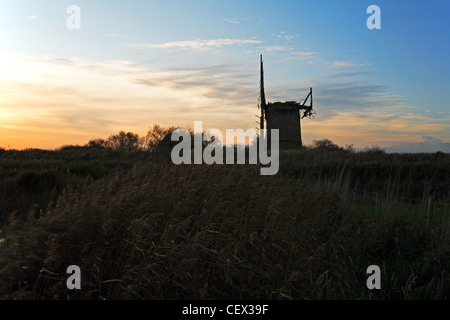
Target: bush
<point x="326" y="144"/>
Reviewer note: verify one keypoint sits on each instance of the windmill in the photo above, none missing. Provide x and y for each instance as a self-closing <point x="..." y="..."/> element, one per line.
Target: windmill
<point x="284" y="116"/>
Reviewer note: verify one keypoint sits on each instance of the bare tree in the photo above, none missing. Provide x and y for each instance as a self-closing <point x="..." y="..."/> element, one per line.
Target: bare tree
<point x="124" y="141"/>
<point x="155" y="136"/>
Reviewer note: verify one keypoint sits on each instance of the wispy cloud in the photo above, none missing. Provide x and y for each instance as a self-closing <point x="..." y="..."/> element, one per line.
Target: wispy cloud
<point x="233" y="20"/>
<point x="347" y="64"/>
<point x="285" y="36"/>
<point x="377" y="128"/>
<point x="361" y="96"/>
<point x="194" y="44"/>
<point x="428" y="144"/>
<point x="32" y="17"/>
<point x="100" y="98"/>
<point x="239" y="20"/>
<point x="349" y="74"/>
<point x="307" y="56"/>
<point x="277" y="48"/>
<point x="339" y="95"/>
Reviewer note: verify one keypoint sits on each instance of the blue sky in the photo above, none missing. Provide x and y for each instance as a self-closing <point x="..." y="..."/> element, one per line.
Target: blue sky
<point x="135" y="63"/>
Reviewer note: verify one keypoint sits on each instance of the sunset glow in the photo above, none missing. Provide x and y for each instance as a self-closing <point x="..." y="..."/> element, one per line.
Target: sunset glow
<point x="386" y="87"/>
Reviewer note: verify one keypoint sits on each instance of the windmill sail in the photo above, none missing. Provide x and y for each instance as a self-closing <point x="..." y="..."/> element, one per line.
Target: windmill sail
<point x="262" y="96"/>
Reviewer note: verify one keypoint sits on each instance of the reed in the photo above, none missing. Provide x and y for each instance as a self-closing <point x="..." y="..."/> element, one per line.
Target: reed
<point x="147" y="229"/>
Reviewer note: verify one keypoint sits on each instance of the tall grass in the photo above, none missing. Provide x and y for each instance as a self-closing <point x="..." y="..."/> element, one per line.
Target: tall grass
<point x="160" y="231"/>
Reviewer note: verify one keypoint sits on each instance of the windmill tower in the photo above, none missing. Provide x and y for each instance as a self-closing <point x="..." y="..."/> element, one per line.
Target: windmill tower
<point x="284" y="116"/>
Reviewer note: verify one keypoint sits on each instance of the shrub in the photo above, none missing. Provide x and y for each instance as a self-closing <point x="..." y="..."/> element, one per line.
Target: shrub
<point x="326" y="144"/>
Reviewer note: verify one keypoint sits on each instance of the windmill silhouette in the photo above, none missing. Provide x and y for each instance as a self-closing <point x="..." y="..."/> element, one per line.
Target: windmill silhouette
<point x="284" y="116"/>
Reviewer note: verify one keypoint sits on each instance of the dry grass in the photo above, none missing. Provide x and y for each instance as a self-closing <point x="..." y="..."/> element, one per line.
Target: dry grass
<point x="160" y="231"/>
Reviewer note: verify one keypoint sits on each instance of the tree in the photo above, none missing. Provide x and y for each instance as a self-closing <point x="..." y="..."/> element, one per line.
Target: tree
<point x="124" y="141"/>
<point x="326" y="144"/>
<point x="155" y="136"/>
<point x="96" y="143"/>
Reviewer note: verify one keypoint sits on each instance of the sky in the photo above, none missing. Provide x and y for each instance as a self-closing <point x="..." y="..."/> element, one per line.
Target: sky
<point x="132" y="64"/>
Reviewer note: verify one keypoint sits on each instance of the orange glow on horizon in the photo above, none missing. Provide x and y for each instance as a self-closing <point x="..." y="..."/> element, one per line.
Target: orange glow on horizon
<point x="47" y="102"/>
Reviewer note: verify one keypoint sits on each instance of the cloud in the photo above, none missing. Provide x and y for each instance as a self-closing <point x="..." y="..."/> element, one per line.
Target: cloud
<point x="278" y="48"/>
<point x="350" y="74"/>
<point x="42" y="106"/>
<point x="100" y="98"/>
<point x="377" y="127"/>
<point x="222" y="85"/>
<point x="238" y="20"/>
<point x="284" y="35"/>
<point x="345" y="96"/>
<point x="194" y="44"/>
<point x="233" y="20"/>
<point x="428" y="144"/>
<point x="347" y="64"/>
<point x="336" y="95"/>
<point x="308" y="56"/>
<point x="32" y="17"/>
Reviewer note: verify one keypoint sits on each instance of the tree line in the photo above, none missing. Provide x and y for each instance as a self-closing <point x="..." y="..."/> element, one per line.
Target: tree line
<point x="158" y="135"/>
<point x="129" y="141"/>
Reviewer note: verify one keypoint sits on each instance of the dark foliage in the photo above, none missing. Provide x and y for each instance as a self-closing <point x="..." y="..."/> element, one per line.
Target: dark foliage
<point x="140" y="227"/>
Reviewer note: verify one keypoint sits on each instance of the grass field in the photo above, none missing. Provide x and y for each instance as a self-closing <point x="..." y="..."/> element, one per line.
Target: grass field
<point x="140" y="227"/>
